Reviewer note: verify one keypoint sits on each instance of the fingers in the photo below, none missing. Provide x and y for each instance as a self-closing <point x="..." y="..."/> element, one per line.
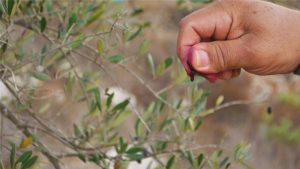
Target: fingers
<point x="219" y="56"/>
<point x="229" y="74"/>
<point x="212" y="78"/>
<point x="209" y="23"/>
<point x="187" y="37"/>
<point x="226" y="75"/>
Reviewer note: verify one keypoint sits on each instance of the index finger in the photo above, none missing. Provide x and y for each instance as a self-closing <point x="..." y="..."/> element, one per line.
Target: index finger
<point x="210" y="23"/>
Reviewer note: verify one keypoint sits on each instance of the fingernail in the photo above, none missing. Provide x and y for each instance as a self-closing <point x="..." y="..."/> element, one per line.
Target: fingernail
<point x="200" y="59"/>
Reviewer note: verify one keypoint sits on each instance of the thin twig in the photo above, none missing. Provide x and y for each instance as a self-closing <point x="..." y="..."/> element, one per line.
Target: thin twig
<point x="165" y="152"/>
<point x="73" y="68"/>
<point x="145" y="84"/>
<point x="225" y="105"/>
<point x="1" y="135"/>
<point x="166" y="88"/>
<point x="11" y="116"/>
<point x="115" y="81"/>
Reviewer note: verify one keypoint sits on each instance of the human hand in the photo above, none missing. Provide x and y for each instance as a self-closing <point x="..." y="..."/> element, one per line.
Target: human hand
<point x="229" y="35"/>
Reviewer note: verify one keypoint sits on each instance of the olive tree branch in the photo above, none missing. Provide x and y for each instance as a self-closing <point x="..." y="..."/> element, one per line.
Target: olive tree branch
<point x="49" y="130"/>
<point x="13" y="118"/>
<point x="73" y="68"/>
<point x="116" y="82"/>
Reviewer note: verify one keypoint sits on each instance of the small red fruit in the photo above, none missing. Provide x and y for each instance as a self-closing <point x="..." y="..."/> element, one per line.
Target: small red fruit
<point x="210" y="77"/>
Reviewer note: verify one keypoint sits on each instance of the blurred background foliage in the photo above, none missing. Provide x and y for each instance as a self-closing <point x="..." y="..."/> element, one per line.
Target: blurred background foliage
<point x="97" y="84"/>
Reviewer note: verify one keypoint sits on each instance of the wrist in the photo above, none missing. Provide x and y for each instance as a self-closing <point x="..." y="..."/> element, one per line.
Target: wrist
<point x="296" y="31"/>
<point x="296" y="14"/>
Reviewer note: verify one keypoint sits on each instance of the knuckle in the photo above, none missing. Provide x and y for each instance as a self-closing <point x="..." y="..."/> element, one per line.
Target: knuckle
<point x="219" y="58"/>
<point x="250" y="53"/>
<point x="182" y="22"/>
<point x="185" y="22"/>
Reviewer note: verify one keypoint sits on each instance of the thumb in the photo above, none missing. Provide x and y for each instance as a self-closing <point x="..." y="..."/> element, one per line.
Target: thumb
<point x="217" y="56"/>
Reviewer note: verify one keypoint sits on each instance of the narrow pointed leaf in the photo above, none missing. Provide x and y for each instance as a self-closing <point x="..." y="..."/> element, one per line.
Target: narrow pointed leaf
<point x="12" y="156"/>
<point x="109" y="100"/>
<point x="98" y="99"/>
<point x="41" y="76"/>
<point x="170" y="162"/>
<point x="151" y="64"/>
<point x="100" y="46"/>
<point x="135" y="34"/>
<point x="72" y="20"/>
<point x="29" y="162"/>
<point x="144" y="47"/>
<point x="223" y="162"/>
<point x="43" y="24"/>
<point x="121" y="106"/>
<point x="219" y="100"/>
<point x="10" y="6"/>
<point x="24" y="157"/>
<point x="115" y="58"/>
<point x="26" y="142"/>
<point x="134" y="150"/>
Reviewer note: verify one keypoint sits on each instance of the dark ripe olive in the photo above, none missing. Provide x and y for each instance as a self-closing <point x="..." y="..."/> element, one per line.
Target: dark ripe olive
<point x="269" y="110"/>
<point x="189" y="63"/>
